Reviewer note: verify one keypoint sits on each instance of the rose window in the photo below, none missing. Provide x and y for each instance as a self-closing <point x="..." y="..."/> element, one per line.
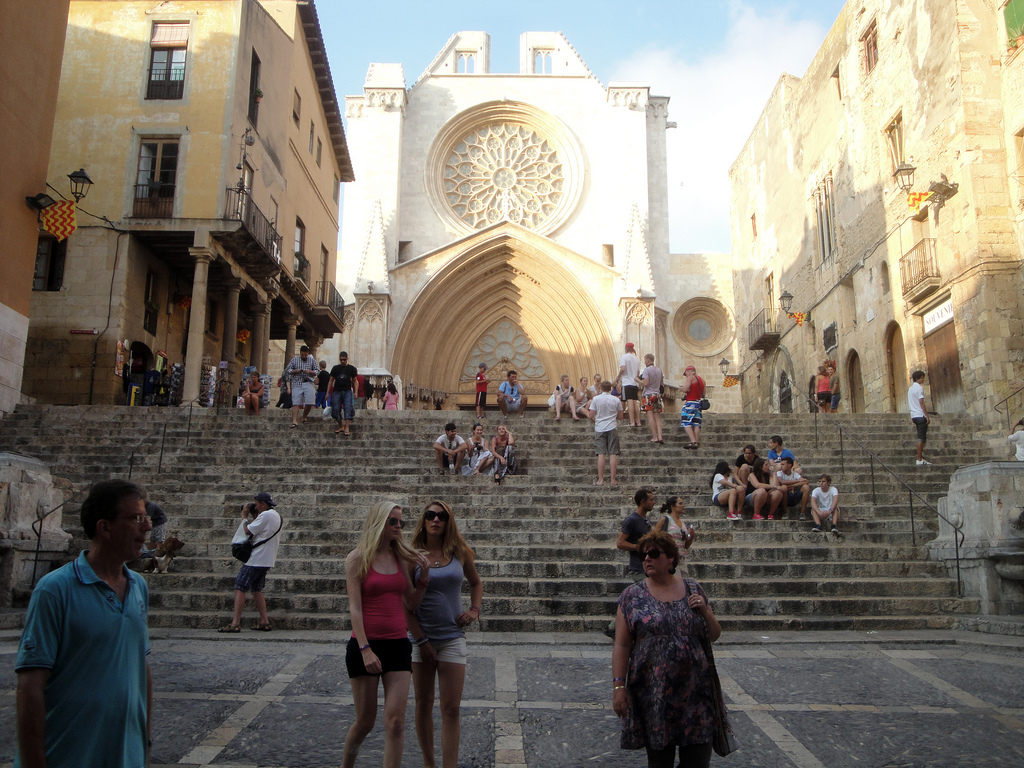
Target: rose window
<point x="504" y="171"/>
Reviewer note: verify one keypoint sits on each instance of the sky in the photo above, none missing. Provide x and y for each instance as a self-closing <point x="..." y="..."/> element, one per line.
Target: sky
<point x="718" y="60"/>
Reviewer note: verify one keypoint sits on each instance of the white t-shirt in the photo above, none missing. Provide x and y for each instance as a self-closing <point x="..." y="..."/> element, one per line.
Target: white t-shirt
<point x="825" y="499"/>
<point x="451" y="445"/>
<point x="606" y="408"/>
<point x="914" y="396"/>
<point x="1018" y="439"/>
<point x="787" y="478"/>
<point x="262" y="528"/>
<point x="632" y="363"/>
<point x="718" y="485"/>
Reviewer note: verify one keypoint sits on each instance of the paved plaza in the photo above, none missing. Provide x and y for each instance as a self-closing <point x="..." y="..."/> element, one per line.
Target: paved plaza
<point x="809" y="700"/>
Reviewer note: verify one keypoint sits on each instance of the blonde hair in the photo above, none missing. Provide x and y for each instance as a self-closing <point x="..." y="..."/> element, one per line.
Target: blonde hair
<point x="373" y="531"/>
<point x="452" y="543"/>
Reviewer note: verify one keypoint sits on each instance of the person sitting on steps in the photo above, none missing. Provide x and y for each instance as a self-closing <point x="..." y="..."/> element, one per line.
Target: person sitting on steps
<point x="825" y="505"/>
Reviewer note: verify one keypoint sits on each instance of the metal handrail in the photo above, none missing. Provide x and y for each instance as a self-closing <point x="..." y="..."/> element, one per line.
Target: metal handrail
<point x="958" y="535"/>
<point x="1003" y="402"/>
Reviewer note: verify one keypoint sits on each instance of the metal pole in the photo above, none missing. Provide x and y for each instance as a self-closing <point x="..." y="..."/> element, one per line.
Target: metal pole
<point x="163" y="442"/>
<point x="842" y="455"/>
<point x="913" y="533"/>
<point x="188" y="432"/>
<point x="815" y="427"/>
<point x="131" y="464"/>
<point x="874" y="498"/>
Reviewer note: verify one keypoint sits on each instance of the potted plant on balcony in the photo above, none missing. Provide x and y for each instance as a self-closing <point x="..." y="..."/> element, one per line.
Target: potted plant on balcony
<point x="258" y="95"/>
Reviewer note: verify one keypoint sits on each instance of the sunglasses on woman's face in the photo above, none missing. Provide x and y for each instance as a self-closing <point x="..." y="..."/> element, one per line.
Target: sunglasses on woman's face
<point x="394" y="522"/>
<point x="652" y="553"/>
<point x="432" y="514"/>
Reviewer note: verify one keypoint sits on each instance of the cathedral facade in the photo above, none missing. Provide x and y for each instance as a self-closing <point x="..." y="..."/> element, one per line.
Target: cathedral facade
<point x="519" y="220"/>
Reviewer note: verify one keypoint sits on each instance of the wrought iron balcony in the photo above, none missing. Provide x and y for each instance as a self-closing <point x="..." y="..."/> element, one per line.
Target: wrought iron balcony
<point x="240" y="207"/>
<point x="301" y="268"/>
<point x="918" y="271"/>
<point x="166" y="81"/>
<point x="153" y="201"/>
<point x="763" y="330"/>
<point x="327" y="296"/>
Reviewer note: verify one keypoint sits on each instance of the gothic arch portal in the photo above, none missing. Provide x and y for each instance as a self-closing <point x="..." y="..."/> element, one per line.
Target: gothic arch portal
<point x="511" y="275"/>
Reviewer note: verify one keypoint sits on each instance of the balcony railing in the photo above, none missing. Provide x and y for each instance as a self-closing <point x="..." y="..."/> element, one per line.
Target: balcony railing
<point x="327" y="296"/>
<point x="166" y="82"/>
<point x="240" y="207"/>
<point x="918" y="271"/>
<point x="153" y="201"/>
<point x="301" y="270"/>
<point x="763" y="330"/>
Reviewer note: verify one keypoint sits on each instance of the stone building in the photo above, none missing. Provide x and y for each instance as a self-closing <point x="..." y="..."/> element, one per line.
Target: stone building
<point x="520" y="220"/>
<point x="31" y="43"/>
<point x="213" y="136"/>
<point x="819" y="213"/>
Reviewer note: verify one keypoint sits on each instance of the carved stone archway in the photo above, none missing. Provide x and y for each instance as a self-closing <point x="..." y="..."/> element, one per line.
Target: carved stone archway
<point x="512" y="275"/>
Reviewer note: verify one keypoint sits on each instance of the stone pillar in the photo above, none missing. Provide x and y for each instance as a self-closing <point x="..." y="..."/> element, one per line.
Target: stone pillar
<point x="233" y="286"/>
<point x="256" y="352"/>
<point x="265" y="343"/>
<point x="638" y="325"/>
<point x="292" y="321"/>
<point x="196" y="324"/>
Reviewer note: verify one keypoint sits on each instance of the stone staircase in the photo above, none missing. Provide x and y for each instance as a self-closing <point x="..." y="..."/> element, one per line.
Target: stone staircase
<point x="545" y="538"/>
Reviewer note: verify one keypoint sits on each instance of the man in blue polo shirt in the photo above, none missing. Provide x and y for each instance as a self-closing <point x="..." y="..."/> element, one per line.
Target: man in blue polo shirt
<point x="84" y="686"/>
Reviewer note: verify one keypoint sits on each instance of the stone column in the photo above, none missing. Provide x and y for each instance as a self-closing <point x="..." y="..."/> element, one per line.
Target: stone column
<point x="196" y="324"/>
<point x="292" y="321"/>
<point x="256" y="352"/>
<point x="233" y="286"/>
<point x="265" y="343"/>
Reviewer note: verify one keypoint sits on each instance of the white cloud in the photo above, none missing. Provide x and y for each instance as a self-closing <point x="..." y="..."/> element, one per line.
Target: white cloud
<point x="716" y="101"/>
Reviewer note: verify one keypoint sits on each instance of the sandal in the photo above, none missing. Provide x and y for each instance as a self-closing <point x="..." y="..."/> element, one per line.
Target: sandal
<point x="232" y="629"/>
<point x="262" y="627"/>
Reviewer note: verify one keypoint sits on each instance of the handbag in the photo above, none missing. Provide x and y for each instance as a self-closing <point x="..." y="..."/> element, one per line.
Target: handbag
<point x="705" y="404"/>
<point x="723" y="740"/>
<point x="242" y="550"/>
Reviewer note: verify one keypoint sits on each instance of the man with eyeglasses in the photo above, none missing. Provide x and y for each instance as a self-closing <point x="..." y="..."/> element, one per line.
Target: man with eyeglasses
<point x="84" y="684"/>
<point x="633" y="528"/>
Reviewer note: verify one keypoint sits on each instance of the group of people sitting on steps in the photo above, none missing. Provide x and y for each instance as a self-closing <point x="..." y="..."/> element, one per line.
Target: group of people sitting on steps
<point x="774" y="482"/>
<point x="478" y="455"/>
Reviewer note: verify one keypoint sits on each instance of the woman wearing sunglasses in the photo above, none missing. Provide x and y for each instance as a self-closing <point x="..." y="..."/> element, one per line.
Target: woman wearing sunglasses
<point x="661" y="676"/>
<point x="379" y="592"/>
<point x="439" y="640"/>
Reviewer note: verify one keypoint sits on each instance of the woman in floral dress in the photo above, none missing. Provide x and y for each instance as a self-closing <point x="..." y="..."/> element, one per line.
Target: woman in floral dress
<point x="662" y="679"/>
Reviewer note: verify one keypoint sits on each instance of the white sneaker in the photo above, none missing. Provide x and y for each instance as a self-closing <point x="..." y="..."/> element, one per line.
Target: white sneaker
<point x="923" y="463"/>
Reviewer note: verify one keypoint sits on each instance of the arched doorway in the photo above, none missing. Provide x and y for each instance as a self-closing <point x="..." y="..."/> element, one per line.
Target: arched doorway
<point x="785" y="393"/>
<point x="896" y="368"/>
<point x="533" y="314"/>
<point x="854" y="384"/>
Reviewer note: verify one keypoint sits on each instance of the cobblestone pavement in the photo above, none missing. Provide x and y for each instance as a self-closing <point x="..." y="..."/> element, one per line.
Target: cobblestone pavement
<point x="808" y="700"/>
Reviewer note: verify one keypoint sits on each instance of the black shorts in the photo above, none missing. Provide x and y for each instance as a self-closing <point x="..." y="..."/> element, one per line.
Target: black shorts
<point x="481" y="399"/>
<point x="824" y="398"/>
<point x="394" y="655"/>
<point x="922" y="428"/>
<point x="794" y="498"/>
<point x="631" y="393"/>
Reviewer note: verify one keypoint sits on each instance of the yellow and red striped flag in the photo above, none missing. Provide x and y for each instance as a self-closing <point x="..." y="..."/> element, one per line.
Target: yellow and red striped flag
<point x="914" y="200"/>
<point x="730" y="381"/>
<point x="59" y="219"/>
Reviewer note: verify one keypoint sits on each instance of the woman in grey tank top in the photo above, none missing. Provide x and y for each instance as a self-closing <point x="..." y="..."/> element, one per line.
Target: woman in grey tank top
<point x="439" y="640"/>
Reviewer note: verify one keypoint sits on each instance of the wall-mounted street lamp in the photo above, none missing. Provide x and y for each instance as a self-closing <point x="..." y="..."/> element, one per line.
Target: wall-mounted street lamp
<point x="40" y="201"/>
<point x="80" y="184"/>
<point x="724" y="367"/>
<point x="904" y="176"/>
<point x="786" y="304"/>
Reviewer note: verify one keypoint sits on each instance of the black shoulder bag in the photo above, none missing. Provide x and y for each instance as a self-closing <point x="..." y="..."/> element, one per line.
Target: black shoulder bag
<point x="243" y="550"/>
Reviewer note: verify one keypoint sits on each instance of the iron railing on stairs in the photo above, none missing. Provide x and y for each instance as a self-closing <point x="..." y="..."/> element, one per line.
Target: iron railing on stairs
<point x="1018" y="401"/>
<point x="958" y="534"/>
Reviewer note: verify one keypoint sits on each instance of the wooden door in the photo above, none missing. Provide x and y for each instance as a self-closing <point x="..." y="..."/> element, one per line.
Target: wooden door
<point x="899" y="381"/>
<point x="943" y="357"/>
<point x="854" y="385"/>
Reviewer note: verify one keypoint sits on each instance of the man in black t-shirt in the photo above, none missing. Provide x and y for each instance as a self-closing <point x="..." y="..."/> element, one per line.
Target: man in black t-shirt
<point x="343" y="378"/>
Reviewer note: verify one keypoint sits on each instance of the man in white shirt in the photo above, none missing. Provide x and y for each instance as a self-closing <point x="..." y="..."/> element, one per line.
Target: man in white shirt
<point x="264" y="529"/>
<point x="629" y="369"/>
<point x="605" y="410"/>
<point x="919" y="415"/>
<point x="1017" y="439"/>
<point x="450" y="449"/>
<point x="796" y="489"/>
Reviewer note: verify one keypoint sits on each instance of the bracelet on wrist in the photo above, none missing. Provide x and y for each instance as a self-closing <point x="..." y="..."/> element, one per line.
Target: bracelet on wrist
<point x="618" y="679"/>
<point x="364" y="647"/>
<point x="618" y="687"/>
<point x="422" y="641"/>
<point x="475" y="608"/>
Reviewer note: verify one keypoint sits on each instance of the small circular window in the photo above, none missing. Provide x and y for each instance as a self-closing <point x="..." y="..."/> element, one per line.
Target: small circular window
<point x="703" y="326"/>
